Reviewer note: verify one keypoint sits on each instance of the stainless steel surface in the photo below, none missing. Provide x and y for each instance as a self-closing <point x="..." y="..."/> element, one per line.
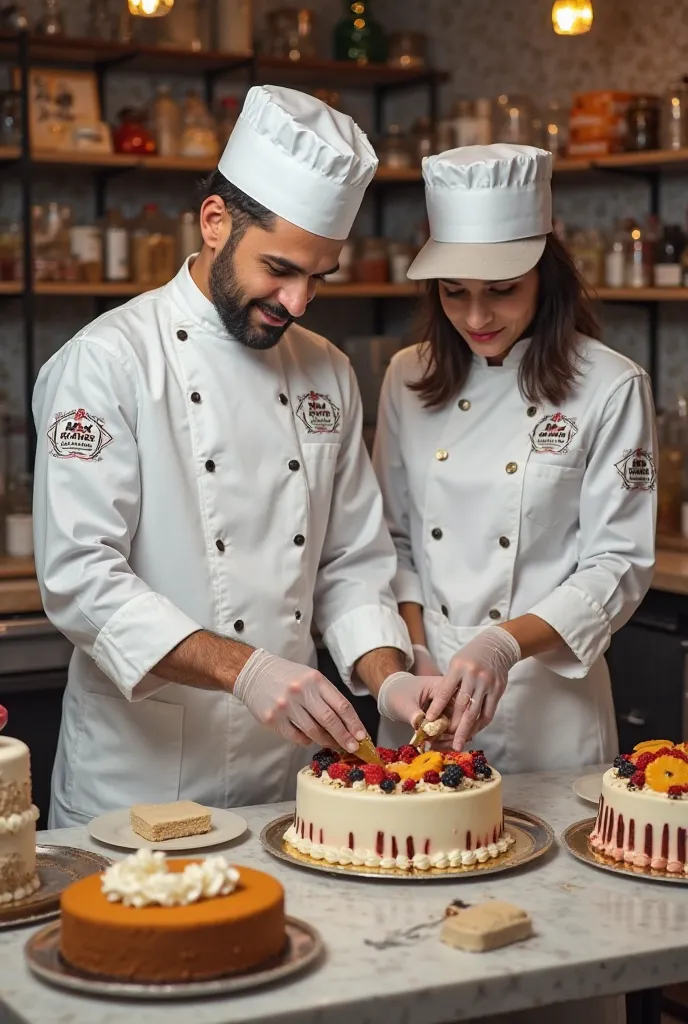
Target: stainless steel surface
<point x="575" y="839"/>
<point x="58" y="867"/>
<point x="30" y="644"/>
<point x="533" y="836"/>
<point x="42" y="951"/>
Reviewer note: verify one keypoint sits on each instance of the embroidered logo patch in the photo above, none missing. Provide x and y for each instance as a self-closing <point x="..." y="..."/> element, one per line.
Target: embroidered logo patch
<point x="553" y="434"/>
<point x="318" y="413"/>
<point x="637" y="470"/>
<point x="77" y="435"/>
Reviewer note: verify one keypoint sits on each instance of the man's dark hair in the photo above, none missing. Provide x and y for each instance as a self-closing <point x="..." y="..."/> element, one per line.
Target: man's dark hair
<point x="244" y="210"/>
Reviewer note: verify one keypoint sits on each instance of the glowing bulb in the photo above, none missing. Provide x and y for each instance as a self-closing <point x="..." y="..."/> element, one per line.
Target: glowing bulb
<point x="572" y="17"/>
<point x="150" y="8"/>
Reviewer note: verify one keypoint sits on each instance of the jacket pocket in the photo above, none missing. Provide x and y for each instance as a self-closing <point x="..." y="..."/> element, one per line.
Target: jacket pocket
<point x="551" y="493"/>
<point x="125" y="753"/>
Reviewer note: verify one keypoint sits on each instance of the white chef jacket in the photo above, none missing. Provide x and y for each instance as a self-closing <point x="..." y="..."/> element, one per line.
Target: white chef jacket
<point x="499" y="507"/>
<point x="186" y="481"/>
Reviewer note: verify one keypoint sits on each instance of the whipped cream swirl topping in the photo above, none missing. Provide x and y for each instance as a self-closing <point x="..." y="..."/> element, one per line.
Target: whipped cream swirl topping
<point x="16" y="822"/>
<point x="144" y="879"/>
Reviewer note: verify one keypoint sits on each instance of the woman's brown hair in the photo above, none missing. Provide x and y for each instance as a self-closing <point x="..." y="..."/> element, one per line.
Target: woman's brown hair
<point x="548" y="370"/>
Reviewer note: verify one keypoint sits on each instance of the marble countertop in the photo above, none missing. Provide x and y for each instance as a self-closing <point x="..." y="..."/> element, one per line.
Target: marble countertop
<point x="596" y="934"/>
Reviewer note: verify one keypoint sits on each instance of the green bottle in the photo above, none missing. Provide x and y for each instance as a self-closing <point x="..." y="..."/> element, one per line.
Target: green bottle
<point x="358" y="37"/>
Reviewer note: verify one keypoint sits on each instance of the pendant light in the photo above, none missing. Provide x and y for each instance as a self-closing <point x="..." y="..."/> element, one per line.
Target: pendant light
<point x="572" y="17"/>
<point x="150" y="8"/>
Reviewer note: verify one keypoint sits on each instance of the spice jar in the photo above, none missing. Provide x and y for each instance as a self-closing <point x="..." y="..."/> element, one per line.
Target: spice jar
<point x="400" y="257"/>
<point x="674" y="117"/>
<point x="344" y="272"/>
<point x="394" y="151"/>
<point x="132" y="136"/>
<point x="407" y="49"/>
<point x="87" y="249"/>
<point x="372" y="265"/>
<point x="642" y="124"/>
<point x="290" y="33"/>
<point x="422" y="139"/>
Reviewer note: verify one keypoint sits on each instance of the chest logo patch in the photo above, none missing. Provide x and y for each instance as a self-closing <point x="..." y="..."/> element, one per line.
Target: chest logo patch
<point x="637" y="470"/>
<point x="77" y="435"/>
<point x="553" y="434"/>
<point x="318" y="413"/>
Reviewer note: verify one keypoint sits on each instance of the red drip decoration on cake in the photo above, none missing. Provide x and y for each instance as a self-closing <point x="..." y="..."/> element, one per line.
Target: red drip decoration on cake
<point x="599" y="814"/>
<point x="468" y="840"/>
<point x="351" y="840"/>
<point x="494" y="835"/>
<point x="380" y="844"/>
<point x="620" y="832"/>
<point x="310" y="832"/>
<point x="631" y="835"/>
<point x="410" y="848"/>
<point x="303" y="829"/>
<point x="321" y="837"/>
<point x="610" y="826"/>
<point x="682" y="845"/>
<point x="427" y="847"/>
<point x="665" y="842"/>
<point x="648" y="840"/>
<point x="395" y="848"/>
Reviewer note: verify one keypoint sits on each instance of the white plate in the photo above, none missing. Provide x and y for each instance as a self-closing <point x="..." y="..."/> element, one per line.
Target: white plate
<point x="114" y="829"/>
<point x="589" y="787"/>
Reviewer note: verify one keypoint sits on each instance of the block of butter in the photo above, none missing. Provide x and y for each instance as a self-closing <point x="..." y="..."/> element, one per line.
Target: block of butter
<point x="485" y="926"/>
<point x="158" y="822"/>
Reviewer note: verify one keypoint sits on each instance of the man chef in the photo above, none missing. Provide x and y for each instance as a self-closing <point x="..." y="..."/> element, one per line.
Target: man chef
<point x="203" y="495"/>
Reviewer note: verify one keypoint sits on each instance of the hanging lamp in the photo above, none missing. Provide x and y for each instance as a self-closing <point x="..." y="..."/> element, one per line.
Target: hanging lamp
<point x="150" y="8"/>
<point x="572" y="17"/>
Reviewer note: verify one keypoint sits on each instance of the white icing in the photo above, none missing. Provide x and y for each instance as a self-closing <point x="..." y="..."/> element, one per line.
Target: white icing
<point x="22" y="892"/>
<point x="143" y="879"/>
<point x="13" y="823"/>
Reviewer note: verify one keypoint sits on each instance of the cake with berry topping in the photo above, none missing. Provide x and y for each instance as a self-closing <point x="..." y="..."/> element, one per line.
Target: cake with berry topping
<point x="419" y="812"/>
<point x="642" y="818"/>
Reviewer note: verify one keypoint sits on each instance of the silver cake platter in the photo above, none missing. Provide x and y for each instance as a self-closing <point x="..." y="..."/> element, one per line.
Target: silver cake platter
<point x="533" y="838"/>
<point x="575" y="839"/>
<point x="304" y="947"/>
<point x="57" y="867"/>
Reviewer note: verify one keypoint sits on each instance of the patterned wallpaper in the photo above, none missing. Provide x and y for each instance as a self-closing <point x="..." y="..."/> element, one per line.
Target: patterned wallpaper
<point x="490" y="47"/>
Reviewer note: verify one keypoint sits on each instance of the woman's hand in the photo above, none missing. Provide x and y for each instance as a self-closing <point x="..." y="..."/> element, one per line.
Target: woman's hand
<point x="476" y="679"/>
<point x="403" y="697"/>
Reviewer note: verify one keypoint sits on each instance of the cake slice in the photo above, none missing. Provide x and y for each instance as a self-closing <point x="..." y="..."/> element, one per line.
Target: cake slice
<point x="158" y="822"/>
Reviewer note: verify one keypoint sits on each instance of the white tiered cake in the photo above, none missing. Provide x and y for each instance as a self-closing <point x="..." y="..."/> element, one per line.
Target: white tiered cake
<point x="18" y="815"/>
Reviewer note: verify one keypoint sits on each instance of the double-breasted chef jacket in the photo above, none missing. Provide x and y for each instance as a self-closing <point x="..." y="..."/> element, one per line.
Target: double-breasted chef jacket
<point x="183" y="481"/>
<point x="500" y="507"/>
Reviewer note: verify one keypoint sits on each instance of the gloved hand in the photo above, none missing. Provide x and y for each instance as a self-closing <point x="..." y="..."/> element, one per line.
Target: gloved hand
<point x="476" y="679"/>
<point x="403" y="697"/>
<point x="297" y="702"/>
<point x="423" y="663"/>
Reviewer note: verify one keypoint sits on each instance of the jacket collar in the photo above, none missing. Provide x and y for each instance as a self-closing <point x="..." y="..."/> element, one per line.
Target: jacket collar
<point x="193" y="304"/>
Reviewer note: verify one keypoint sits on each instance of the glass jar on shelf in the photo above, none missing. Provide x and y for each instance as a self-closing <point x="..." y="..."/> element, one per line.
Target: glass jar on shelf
<point x="445" y="135"/>
<point x="227" y="116"/>
<point x="116" y="262"/>
<point x="10" y="118"/>
<point x="668" y="272"/>
<point x="290" y="33"/>
<point x="189" y="237"/>
<point x="344" y="272"/>
<point x="153" y="248"/>
<point x="674" y="117"/>
<point x="131" y="135"/>
<point x="483" y="117"/>
<point x="166" y="123"/>
<point x="407" y="49"/>
<point x="642" y="124"/>
<point x="372" y="262"/>
<point x="616" y="257"/>
<point x="422" y="140"/>
<point x="513" y="119"/>
<point x="465" y="123"/>
<point x="51" y="22"/>
<point x="11" y="251"/>
<point x="587" y="250"/>
<point x="555" y="130"/>
<point x="199" y="135"/>
<point x="394" y="151"/>
<point x="637" y="269"/>
<point x="87" y="249"/>
<point x="400" y="255"/>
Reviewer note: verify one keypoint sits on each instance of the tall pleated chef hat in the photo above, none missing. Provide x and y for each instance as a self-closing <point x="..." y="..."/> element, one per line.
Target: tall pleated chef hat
<point x="490" y="210"/>
<point x="301" y="159"/>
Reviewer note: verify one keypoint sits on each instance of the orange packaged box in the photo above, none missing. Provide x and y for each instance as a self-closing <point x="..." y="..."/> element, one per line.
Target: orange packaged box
<point x="597" y="122"/>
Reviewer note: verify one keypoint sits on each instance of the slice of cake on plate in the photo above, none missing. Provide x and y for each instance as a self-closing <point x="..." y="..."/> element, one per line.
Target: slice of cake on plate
<point x="158" y="822"/>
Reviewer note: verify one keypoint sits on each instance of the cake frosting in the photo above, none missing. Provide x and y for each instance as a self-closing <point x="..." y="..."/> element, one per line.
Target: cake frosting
<point x="642" y="817"/>
<point x="421" y="812"/>
<point x="134" y="923"/>
<point x="18" y="815"/>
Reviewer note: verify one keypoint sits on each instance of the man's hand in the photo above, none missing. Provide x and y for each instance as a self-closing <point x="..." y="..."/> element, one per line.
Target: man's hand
<point x="297" y="702"/>
<point x="403" y="697"/>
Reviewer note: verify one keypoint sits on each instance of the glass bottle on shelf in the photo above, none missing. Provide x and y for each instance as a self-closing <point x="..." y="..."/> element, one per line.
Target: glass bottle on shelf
<point x="11" y="236"/>
<point x="637" y="270"/>
<point x="189" y="238"/>
<point x="674" y="117"/>
<point x="115" y="248"/>
<point x="358" y="36"/>
<point x="394" y="151"/>
<point x="587" y="250"/>
<point x="153" y="248"/>
<point x="651" y="239"/>
<point x="422" y="139"/>
<point x="166" y="123"/>
<point x="228" y="114"/>
<point x="50" y="23"/>
<point x="39" y="238"/>
<point x="668" y="272"/>
<point x="199" y="135"/>
<point x="372" y="263"/>
<point x="616" y="257"/>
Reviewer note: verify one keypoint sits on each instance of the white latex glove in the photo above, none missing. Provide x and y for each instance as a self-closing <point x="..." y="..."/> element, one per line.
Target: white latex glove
<point x="403" y="697"/>
<point x="476" y="679"/>
<point x="423" y="664"/>
<point x="297" y="702"/>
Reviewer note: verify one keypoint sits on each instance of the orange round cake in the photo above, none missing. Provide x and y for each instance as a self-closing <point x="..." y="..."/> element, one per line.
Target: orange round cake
<point x="207" y="939"/>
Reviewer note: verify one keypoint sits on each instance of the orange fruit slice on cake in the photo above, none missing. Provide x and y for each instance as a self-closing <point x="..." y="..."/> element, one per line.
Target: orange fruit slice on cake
<point x="650" y="746"/>
<point x="665" y="772"/>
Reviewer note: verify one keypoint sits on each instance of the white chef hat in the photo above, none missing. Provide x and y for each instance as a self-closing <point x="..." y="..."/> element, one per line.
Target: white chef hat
<point x="490" y="209"/>
<point x="301" y="159"/>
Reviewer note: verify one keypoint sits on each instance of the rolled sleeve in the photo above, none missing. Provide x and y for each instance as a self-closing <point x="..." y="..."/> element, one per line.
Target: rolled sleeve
<point x="406" y="586"/>
<point x="582" y="623"/>
<point x="363" y="630"/>
<point x="138" y="636"/>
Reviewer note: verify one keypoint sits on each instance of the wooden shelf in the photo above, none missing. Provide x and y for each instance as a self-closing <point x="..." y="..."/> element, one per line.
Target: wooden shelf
<point x="342" y="74"/>
<point x="127" y="289"/>
<point x="640" y="294"/>
<point x="368" y="291"/>
<point x="16" y="568"/>
<point x="10" y="288"/>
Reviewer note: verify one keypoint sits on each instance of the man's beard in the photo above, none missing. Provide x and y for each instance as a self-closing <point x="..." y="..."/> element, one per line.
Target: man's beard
<point x="235" y="312"/>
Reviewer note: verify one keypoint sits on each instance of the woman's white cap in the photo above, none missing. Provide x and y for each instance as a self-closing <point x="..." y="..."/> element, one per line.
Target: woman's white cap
<point x="490" y="209"/>
<point x="301" y="159"/>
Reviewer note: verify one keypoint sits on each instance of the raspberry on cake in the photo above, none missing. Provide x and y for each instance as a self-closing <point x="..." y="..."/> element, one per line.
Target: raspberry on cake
<point x="642" y="818"/>
<point x="427" y="812"/>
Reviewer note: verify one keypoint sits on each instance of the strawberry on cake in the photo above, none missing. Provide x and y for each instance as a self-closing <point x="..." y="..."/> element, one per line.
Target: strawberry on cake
<point x="420" y="812"/>
<point x="642" y="817"/>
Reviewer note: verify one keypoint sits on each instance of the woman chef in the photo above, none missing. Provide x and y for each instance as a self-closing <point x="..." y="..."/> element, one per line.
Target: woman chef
<point x="203" y="495"/>
<point x="516" y="458"/>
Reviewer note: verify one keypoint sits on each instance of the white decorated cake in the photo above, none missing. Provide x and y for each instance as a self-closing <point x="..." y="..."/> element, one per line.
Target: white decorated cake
<point x="18" y="815"/>
<point x="642" y="818"/>
<point x="420" y="812"/>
